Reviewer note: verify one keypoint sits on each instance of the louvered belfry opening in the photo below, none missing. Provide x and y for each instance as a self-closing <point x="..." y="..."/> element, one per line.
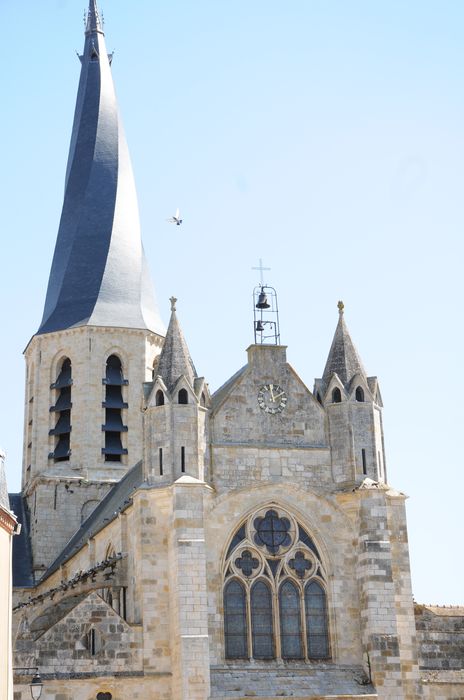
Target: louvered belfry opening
<point x="62" y="410"/>
<point x="114" y="405"/>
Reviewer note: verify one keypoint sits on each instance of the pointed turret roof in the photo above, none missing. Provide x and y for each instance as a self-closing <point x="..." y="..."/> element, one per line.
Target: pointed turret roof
<point x="343" y="357"/>
<point x="175" y="360"/>
<point x="99" y="274"/>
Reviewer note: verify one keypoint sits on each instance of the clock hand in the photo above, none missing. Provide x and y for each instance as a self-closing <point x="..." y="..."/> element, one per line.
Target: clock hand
<point x="272" y="393"/>
<point x="279" y="395"/>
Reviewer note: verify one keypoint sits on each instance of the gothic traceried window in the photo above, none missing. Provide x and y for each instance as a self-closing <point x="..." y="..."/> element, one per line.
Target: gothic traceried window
<point x="275" y="600"/>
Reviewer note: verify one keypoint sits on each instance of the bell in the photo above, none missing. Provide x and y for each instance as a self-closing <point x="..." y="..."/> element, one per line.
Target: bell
<point x="259" y="326"/>
<point x="262" y="301"/>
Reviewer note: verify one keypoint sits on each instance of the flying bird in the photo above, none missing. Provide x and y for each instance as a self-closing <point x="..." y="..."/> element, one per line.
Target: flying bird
<point x="176" y="218"/>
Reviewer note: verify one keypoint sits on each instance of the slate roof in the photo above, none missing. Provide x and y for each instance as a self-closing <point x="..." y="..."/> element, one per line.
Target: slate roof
<point x="99" y="275"/>
<point x="343" y="357"/>
<point x="175" y="359"/>
<point x="115" y="501"/>
<point x="220" y="394"/>
<point x="22" y="553"/>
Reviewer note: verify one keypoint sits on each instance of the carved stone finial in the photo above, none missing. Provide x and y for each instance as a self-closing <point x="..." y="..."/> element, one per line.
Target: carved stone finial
<point x="173" y="303"/>
<point x="341" y="307"/>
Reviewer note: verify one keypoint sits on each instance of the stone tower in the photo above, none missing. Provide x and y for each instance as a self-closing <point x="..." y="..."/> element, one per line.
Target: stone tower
<point x="101" y="330"/>
<point x="354" y="411"/>
<point x="175" y="413"/>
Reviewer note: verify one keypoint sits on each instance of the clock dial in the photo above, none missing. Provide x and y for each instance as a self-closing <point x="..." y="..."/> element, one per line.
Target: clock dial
<point x="272" y="398"/>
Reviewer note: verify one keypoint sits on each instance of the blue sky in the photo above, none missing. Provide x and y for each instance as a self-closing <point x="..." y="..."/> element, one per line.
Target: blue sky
<point x="324" y="137"/>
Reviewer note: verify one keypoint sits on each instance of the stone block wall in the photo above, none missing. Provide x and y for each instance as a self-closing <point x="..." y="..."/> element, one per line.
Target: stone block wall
<point x="55" y="516"/>
<point x="440" y="637"/>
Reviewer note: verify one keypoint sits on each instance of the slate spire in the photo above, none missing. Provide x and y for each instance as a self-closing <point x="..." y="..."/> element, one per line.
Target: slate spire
<point x="99" y="274"/>
<point x="343" y="357"/>
<point x="175" y="359"/>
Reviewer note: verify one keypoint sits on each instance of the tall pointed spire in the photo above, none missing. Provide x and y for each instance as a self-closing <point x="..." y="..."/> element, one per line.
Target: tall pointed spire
<point x="343" y="357"/>
<point x="94" y="20"/>
<point x="99" y="275"/>
<point x="175" y="360"/>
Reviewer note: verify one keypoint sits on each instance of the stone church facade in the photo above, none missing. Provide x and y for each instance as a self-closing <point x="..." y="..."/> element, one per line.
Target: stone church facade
<point x="178" y="545"/>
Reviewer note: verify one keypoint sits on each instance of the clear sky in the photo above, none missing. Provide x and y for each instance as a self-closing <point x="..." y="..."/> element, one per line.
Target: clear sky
<point x="325" y="137"/>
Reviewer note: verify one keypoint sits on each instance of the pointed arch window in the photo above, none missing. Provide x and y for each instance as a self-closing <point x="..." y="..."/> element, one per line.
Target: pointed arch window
<point x="336" y="395"/>
<point x="62" y="411"/>
<point x="275" y="600"/>
<point x="290" y="622"/>
<point x="359" y="394"/>
<point x="235" y="620"/>
<point x="262" y="627"/>
<point x="159" y="400"/>
<point x="182" y="396"/>
<point x="316" y="621"/>
<point x="114" y="404"/>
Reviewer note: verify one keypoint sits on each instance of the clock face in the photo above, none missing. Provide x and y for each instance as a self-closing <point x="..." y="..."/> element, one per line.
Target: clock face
<point x="272" y="398"/>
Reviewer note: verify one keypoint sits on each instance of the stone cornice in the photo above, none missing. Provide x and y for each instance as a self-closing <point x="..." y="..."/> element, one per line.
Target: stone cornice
<point x="8" y="521"/>
<point x="66" y="332"/>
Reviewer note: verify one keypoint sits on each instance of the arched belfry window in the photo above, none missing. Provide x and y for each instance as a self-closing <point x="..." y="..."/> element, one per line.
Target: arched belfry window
<point x="159" y="398"/>
<point x="114" y="404"/>
<point x="183" y="396"/>
<point x="359" y="394"/>
<point x="62" y="411"/>
<point x="336" y="395"/>
<point x="275" y="600"/>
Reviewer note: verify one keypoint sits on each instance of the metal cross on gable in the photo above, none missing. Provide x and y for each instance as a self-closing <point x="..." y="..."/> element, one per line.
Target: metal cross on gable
<point x="261" y="270"/>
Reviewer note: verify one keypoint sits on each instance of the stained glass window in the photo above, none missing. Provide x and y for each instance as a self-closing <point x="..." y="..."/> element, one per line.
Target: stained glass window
<point x="316" y="621"/>
<point x="261" y="621"/>
<point x="275" y="606"/>
<point x="272" y="532"/>
<point x="290" y="621"/>
<point x="235" y="623"/>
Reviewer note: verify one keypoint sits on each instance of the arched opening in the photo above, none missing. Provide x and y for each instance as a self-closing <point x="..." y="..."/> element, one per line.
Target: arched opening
<point x="275" y="602"/>
<point x="235" y="621"/>
<point x="182" y="396"/>
<point x="62" y="409"/>
<point x="159" y="398"/>
<point x="316" y="621"/>
<point x="113" y="405"/>
<point x="336" y="395"/>
<point x="318" y="397"/>
<point x="359" y="394"/>
<point x="262" y="628"/>
<point x="203" y="399"/>
<point x="290" y="621"/>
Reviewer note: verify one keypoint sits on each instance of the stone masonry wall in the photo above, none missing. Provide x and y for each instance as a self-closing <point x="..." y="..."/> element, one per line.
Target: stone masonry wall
<point x="440" y="637"/>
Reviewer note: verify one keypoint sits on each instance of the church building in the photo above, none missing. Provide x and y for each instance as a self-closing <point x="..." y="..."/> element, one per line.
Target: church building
<point x="183" y="545"/>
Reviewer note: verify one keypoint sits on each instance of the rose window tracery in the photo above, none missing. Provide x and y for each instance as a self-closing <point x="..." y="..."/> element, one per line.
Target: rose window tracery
<point x="275" y="591"/>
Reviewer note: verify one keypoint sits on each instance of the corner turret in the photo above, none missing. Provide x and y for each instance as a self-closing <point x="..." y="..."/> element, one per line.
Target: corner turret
<point x="354" y="408"/>
<point x="175" y="412"/>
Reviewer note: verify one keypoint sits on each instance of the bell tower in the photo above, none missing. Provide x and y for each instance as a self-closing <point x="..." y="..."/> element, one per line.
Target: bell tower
<point x="101" y="330"/>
